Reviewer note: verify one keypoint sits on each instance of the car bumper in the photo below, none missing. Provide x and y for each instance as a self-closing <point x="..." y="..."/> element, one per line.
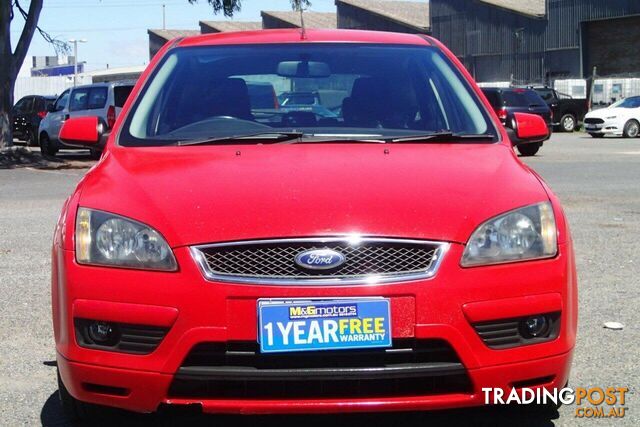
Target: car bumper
<point x="607" y="128"/>
<point x="195" y="311"/>
<point x="146" y="391"/>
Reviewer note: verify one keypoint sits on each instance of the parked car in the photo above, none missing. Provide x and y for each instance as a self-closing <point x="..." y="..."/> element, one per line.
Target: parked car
<point x="104" y="100"/>
<point x="26" y="116"/>
<point x="621" y="118"/>
<point x="299" y="98"/>
<point x="568" y="112"/>
<point x="399" y="258"/>
<point x="262" y="95"/>
<point x="508" y="101"/>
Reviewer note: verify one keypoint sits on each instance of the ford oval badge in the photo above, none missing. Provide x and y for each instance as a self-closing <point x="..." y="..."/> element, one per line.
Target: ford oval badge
<point x="320" y="259"/>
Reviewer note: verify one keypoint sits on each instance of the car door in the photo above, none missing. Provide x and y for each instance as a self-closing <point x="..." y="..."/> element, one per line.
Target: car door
<point x="59" y="114"/>
<point x="88" y="101"/>
<point x="20" y="115"/>
<point x="78" y="101"/>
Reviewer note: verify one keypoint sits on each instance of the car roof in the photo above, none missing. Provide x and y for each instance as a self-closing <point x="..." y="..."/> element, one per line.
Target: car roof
<point x="107" y="84"/>
<point x="295" y="35"/>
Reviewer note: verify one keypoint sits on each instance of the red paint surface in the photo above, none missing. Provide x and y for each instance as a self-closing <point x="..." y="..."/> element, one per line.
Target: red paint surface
<point x="80" y="130"/>
<point x="209" y="194"/>
<point x="530" y="126"/>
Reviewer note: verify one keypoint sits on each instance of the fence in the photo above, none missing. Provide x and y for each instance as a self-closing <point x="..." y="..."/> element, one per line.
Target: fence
<point x="45" y="85"/>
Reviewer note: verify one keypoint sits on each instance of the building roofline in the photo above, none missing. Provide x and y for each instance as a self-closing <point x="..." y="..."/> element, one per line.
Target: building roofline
<point x="388" y="16"/>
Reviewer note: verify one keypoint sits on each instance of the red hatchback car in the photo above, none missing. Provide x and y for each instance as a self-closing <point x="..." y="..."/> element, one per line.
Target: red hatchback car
<point x="391" y="253"/>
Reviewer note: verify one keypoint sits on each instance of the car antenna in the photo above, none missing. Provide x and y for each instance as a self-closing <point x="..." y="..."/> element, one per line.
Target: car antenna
<point x="303" y="33"/>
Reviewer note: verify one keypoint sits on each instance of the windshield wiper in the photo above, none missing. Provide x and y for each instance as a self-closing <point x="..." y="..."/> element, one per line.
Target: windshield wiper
<point x="442" y="137"/>
<point x="270" y="136"/>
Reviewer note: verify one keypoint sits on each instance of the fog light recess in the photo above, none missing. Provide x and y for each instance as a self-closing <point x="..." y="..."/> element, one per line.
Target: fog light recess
<point x="118" y="337"/>
<point x="102" y="333"/>
<point x="514" y="332"/>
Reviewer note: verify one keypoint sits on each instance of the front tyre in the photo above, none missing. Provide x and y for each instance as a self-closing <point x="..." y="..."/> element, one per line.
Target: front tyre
<point x="46" y="147"/>
<point x="528" y="150"/>
<point x="568" y="123"/>
<point x="30" y="138"/>
<point x="631" y="129"/>
<point x="74" y="409"/>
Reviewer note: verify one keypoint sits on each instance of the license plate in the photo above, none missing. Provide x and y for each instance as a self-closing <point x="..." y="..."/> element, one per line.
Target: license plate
<point x="592" y="127"/>
<point x="308" y="325"/>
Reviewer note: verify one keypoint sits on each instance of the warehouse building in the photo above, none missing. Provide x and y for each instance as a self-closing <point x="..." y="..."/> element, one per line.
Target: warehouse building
<point x="208" y="27"/>
<point x="381" y="15"/>
<point x="291" y="19"/>
<point x="157" y="38"/>
<point x="537" y="41"/>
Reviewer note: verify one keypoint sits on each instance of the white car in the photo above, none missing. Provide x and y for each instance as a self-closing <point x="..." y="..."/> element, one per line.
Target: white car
<point x="621" y="118"/>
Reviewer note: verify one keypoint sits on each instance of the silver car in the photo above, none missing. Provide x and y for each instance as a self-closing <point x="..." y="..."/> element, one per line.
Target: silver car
<point x="104" y="100"/>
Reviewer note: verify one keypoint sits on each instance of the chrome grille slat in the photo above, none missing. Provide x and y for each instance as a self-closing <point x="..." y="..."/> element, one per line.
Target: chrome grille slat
<point x="368" y="260"/>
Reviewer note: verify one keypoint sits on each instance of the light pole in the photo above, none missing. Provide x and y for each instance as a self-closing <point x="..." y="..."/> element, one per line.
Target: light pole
<point x="75" y="58"/>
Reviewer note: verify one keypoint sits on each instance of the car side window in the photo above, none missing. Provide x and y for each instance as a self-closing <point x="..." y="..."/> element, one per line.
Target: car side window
<point x="62" y="101"/>
<point x="494" y="98"/>
<point x="79" y="100"/>
<point x="97" y="98"/>
<point x="24" y="105"/>
<point x="545" y="94"/>
<point x="515" y="99"/>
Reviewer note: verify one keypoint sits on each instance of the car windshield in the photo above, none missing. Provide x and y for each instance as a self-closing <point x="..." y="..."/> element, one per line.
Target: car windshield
<point x="633" y="102"/>
<point x="315" y="90"/>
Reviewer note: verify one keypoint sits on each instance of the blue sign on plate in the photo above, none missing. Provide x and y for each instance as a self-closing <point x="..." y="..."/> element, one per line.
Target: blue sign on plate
<point x="307" y="325"/>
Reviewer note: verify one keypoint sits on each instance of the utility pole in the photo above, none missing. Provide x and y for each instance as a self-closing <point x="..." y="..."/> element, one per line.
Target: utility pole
<point x="75" y="58"/>
<point x="164" y="20"/>
<point x="594" y="75"/>
<point x="303" y="30"/>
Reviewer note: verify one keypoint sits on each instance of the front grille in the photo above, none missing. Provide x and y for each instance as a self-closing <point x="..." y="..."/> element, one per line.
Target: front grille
<point x="237" y="370"/>
<point x="366" y="260"/>
<point x="593" y="121"/>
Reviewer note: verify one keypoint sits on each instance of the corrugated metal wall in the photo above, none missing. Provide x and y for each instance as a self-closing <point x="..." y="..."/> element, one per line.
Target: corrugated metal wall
<point x="497" y="44"/>
<point x="354" y="18"/>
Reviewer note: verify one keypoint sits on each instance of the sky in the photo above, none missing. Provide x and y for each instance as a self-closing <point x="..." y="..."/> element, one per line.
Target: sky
<point x="116" y="30"/>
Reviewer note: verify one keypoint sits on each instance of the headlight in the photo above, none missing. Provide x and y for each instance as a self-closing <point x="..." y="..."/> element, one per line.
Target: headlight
<point x="522" y="234"/>
<point x="103" y="238"/>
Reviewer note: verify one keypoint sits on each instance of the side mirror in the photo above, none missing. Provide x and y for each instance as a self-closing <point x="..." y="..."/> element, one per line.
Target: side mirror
<point x="84" y="131"/>
<point x="527" y="128"/>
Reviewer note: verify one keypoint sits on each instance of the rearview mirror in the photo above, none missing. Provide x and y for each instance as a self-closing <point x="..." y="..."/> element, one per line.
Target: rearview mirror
<point x="84" y="131"/>
<point x="527" y="128"/>
<point x="302" y="69"/>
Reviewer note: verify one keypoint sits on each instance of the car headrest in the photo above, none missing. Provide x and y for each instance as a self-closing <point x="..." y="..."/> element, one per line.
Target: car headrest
<point x="231" y="98"/>
<point x="365" y="87"/>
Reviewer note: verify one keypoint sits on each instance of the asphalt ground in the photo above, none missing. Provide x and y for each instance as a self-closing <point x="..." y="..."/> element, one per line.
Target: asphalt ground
<point x="598" y="182"/>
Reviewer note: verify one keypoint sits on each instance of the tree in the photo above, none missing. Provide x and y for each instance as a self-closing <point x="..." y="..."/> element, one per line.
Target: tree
<point x="11" y="61"/>
<point x="229" y="7"/>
